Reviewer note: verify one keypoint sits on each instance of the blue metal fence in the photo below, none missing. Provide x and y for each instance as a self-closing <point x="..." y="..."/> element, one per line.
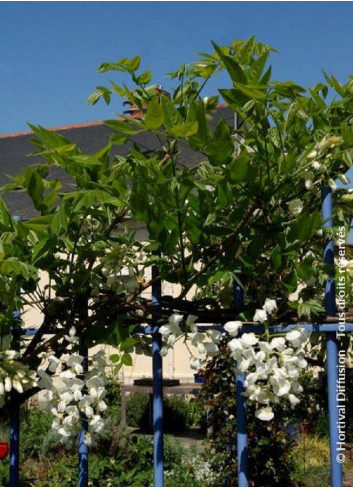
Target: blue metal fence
<point x="241" y="408"/>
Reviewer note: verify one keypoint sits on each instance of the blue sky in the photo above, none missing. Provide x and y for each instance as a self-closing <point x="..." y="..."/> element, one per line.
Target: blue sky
<point x="50" y="50"/>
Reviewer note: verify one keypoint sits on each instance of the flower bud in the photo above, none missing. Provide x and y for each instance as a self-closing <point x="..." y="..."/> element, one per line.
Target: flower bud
<point x="312" y="155"/>
<point x="8" y="384"/>
<point x="332" y="184"/>
<point x="343" y="179"/>
<point x="309" y="184"/>
<point x="17" y="385"/>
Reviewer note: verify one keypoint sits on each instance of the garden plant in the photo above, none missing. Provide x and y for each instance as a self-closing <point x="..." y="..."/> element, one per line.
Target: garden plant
<point x="247" y="213"/>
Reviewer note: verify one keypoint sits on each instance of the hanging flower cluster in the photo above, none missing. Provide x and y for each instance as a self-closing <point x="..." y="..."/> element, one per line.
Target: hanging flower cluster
<point x="272" y="366"/>
<point x="318" y="157"/>
<point x="76" y="396"/>
<point x="14" y="375"/>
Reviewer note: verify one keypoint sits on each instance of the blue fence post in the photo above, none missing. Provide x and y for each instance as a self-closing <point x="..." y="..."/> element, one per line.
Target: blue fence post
<point x="157" y="367"/>
<point x="82" y="446"/>
<point x="14" y="448"/>
<point x="331" y="342"/>
<point x="241" y="409"/>
<point x="15" y="408"/>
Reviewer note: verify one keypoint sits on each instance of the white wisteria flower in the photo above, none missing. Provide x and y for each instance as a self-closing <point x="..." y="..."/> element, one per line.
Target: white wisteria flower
<point x="235" y="345"/>
<point x="295" y="206"/>
<point x="278" y="343"/>
<point x="190" y="323"/>
<point x="265" y="413"/>
<point x="75" y="362"/>
<point x="81" y="396"/>
<point x="211" y="349"/>
<point x="249" y="339"/>
<point x="233" y="327"/>
<point x="309" y="184"/>
<point x="195" y="363"/>
<point x="270" y="306"/>
<point x="260" y="316"/>
<point x="312" y="155"/>
<point x="53" y="363"/>
<point x="214" y="335"/>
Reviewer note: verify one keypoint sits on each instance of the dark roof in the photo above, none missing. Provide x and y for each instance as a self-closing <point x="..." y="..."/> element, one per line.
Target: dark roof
<point x="16" y="152"/>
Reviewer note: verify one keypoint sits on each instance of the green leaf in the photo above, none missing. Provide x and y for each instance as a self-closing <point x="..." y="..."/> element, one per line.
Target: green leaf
<point x="239" y="168"/>
<point x="305" y="270"/>
<point x="224" y="194"/>
<point x="5" y="218"/>
<point x="304" y="227"/>
<point x="210" y="219"/>
<point x="196" y="113"/>
<point x="133" y="64"/>
<point x="215" y="277"/>
<point x="276" y="258"/>
<point x="13" y="266"/>
<point x="244" y="52"/>
<point x="309" y="307"/>
<point x="114" y="358"/>
<point x="256" y="92"/>
<point x="118" y="66"/>
<point x="172" y="116"/>
<point x="347" y="134"/>
<point x="144" y="78"/>
<point x="122" y="127"/>
<point x="222" y="143"/>
<point x="118" y="139"/>
<point x="154" y="115"/>
<point x="267" y="76"/>
<point x="35" y="189"/>
<point x="41" y="249"/>
<point x="38" y="224"/>
<point x="290" y="281"/>
<point x="126" y="359"/>
<point x="334" y="83"/>
<point x="185" y="130"/>
<point x="60" y="220"/>
<point x="2" y="250"/>
<point x="232" y="66"/>
<point x="235" y="99"/>
<point x="258" y="67"/>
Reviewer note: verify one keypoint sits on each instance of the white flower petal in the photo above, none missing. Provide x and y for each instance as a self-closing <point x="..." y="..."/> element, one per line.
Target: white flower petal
<point x="260" y="316"/>
<point x="265" y="413"/>
<point x="232" y="327"/>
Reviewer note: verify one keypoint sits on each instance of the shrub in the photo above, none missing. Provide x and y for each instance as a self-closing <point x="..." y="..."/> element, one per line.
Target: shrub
<point x="138" y="410"/>
<point x="35" y="429"/>
<point x="179" y="413"/>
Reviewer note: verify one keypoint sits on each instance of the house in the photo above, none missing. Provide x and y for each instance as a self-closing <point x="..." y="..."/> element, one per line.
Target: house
<point x="16" y="153"/>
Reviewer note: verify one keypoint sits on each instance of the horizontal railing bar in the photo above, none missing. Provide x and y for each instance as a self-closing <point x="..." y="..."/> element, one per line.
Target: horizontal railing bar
<point x="253" y="328"/>
<point x="246" y="328"/>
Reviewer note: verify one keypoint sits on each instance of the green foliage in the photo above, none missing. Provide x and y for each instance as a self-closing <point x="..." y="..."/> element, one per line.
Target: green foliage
<point x="116" y="460"/>
<point x="224" y="216"/>
<point x="311" y="462"/>
<point x="179" y="414"/>
<point x="35" y="425"/>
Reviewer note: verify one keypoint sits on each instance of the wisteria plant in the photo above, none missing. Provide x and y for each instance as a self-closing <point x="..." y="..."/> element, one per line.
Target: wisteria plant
<point x="247" y="213"/>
